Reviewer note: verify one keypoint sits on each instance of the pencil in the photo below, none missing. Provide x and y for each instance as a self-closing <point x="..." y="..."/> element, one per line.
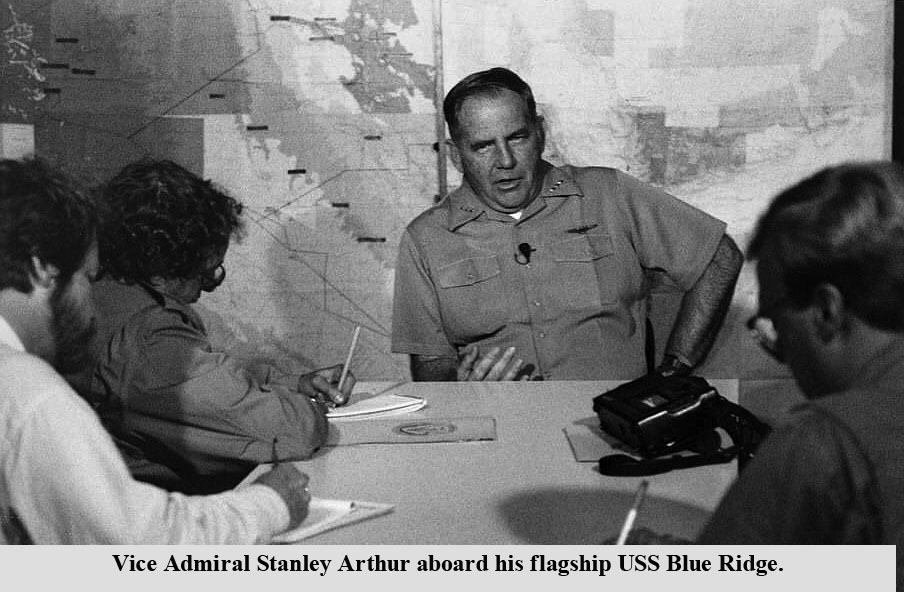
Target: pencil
<point x="632" y="513"/>
<point x="348" y="358"/>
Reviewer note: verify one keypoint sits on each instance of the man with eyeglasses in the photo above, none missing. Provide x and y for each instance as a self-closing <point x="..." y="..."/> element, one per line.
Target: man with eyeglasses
<point x="186" y="416"/>
<point x="830" y="265"/>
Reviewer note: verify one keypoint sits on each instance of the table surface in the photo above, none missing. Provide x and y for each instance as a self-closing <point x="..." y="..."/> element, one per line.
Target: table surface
<point x="523" y="487"/>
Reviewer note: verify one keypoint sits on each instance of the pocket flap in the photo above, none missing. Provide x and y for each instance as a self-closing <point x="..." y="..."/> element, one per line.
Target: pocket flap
<point x="467" y="272"/>
<point x="585" y="247"/>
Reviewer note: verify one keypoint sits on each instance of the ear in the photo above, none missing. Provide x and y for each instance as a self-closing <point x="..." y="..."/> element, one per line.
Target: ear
<point x="454" y="154"/>
<point x="44" y="274"/>
<point x="829" y="314"/>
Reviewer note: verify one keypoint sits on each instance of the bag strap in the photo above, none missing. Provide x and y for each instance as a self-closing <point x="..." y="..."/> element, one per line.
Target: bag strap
<point x="622" y="465"/>
<point x="743" y="427"/>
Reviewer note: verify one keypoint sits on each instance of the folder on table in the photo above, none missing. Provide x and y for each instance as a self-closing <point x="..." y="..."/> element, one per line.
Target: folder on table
<point x="412" y="430"/>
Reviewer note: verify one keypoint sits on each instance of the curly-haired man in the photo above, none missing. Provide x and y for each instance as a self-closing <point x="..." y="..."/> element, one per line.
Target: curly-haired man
<point x="185" y="415"/>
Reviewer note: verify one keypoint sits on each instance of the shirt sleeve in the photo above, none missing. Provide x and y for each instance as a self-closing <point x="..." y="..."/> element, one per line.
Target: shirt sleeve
<point x="68" y="484"/>
<point x="203" y="406"/>
<point x="808" y="484"/>
<point x="417" y="326"/>
<point x="669" y="235"/>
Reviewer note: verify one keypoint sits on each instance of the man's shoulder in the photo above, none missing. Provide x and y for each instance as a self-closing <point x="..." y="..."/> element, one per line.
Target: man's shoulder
<point x="433" y="218"/>
<point x="26" y="378"/>
<point x="119" y="304"/>
<point x="609" y="184"/>
<point x="870" y="414"/>
<point x="592" y="173"/>
<point x="114" y="298"/>
<point x="13" y="360"/>
<point x="816" y="429"/>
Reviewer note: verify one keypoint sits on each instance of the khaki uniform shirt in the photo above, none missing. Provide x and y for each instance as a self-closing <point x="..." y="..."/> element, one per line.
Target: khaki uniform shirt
<point x="577" y="308"/>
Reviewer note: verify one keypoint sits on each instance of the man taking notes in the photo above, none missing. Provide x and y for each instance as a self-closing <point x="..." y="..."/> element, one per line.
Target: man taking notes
<point x="186" y="416"/>
<point x="62" y="480"/>
<point x="830" y="265"/>
<point x="533" y="271"/>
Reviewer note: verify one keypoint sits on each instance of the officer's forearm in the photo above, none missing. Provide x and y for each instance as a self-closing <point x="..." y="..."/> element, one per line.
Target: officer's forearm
<point x="704" y="306"/>
<point x="434" y="368"/>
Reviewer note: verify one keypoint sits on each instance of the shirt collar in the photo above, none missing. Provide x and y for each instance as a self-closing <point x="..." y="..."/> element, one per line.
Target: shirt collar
<point x="465" y="206"/>
<point x="9" y="337"/>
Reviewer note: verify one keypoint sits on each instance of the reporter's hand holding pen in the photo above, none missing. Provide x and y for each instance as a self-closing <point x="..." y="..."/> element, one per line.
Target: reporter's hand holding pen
<point x="331" y="386"/>
<point x="291" y="485"/>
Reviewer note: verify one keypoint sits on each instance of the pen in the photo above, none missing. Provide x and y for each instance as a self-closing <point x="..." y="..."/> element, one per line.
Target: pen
<point x="632" y="513"/>
<point x="348" y="358"/>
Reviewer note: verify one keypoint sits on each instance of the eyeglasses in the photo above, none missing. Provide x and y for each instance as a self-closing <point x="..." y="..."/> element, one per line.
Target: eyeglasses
<point x="212" y="278"/>
<point x="763" y="330"/>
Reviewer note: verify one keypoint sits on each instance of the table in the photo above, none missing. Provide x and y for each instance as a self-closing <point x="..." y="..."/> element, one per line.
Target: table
<point x="525" y="487"/>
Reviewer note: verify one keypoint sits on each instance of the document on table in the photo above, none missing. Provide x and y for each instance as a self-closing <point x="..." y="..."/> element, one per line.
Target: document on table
<point x="327" y="514"/>
<point x="589" y="443"/>
<point x="369" y="406"/>
<point x="412" y="430"/>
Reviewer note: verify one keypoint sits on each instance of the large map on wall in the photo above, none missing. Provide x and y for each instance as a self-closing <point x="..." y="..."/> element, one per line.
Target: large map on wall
<point x="320" y="117"/>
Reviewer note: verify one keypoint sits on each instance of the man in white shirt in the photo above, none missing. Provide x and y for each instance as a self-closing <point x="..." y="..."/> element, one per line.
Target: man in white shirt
<point x="62" y="480"/>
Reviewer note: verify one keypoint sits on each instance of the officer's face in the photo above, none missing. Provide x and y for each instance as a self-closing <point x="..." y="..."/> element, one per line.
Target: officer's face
<point x="498" y="150"/>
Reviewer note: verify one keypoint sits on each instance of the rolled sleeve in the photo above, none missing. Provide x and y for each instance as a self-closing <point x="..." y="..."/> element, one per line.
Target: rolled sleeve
<point x="670" y="235"/>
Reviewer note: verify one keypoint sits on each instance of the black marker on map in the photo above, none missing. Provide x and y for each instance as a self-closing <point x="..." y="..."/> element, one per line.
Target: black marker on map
<point x="257" y="128"/>
<point x="297" y="171"/>
<point x="373" y="137"/>
<point x="279" y="17"/>
<point x="371" y="239"/>
<point x="217" y="95"/>
<point x="52" y="91"/>
<point x="66" y="39"/>
<point x="322" y="38"/>
<point x="340" y="204"/>
<point x="84" y="71"/>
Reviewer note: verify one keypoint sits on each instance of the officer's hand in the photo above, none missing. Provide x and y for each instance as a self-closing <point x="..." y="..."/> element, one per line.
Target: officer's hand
<point x="488" y="367"/>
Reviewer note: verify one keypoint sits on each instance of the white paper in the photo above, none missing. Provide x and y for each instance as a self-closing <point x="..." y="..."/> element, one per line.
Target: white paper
<point x="326" y="514"/>
<point x="365" y="405"/>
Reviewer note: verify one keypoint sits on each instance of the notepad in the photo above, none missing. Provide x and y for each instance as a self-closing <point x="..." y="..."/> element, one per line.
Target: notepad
<point x="327" y="514"/>
<point x="369" y="405"/>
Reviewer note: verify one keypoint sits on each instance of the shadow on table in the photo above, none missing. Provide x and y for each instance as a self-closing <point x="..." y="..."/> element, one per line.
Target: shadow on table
<point x="590" y="517"/>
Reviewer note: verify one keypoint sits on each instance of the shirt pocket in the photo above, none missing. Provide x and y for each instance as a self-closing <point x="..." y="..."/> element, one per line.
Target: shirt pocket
<point x="467" y="272"/>
<point x="471" y="297"/>
<point x="586" y="266"/>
